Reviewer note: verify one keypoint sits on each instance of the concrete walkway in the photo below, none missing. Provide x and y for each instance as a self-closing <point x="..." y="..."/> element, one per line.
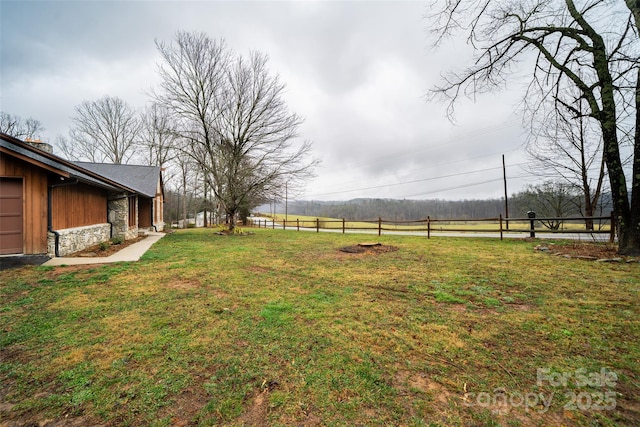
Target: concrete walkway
<point x="128" y="254"/>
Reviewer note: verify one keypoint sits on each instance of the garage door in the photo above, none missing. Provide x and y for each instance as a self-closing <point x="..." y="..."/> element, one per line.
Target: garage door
<point x="10" y="216"/>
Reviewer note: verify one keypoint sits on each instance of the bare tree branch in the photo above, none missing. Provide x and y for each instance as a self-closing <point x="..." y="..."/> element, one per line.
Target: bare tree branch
<point x="105" y="130"/>
<point x="19" y="127"/>
<point x="233" y="121"/>
<point x="587" y="47"/>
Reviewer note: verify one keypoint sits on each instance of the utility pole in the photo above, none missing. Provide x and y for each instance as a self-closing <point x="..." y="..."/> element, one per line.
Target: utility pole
<point x="506" y="200"/>
<point x="286" y="201"/>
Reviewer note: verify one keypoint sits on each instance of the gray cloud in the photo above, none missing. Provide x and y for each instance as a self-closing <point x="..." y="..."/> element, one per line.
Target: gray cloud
<point x="357" y="72"/>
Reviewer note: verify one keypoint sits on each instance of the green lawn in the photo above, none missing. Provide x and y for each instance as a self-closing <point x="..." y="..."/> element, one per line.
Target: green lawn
<point x="281" y="328"/>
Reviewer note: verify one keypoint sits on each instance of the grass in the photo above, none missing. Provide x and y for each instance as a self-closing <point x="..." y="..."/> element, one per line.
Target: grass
<point x="281" y="328"/>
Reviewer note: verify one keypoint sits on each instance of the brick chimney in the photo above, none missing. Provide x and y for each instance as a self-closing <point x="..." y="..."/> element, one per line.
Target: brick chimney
<point x="43" y="146"/>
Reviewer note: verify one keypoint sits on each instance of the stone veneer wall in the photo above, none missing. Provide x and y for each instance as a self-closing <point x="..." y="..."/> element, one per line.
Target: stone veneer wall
<point x="76" y="239"/>
<point x="132" y="232"/>
<point x="119" y="217"/>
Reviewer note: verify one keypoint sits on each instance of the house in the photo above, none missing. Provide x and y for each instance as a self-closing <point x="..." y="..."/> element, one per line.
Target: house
<point x="200" y="217"/>
<point x="147" y="183"/>
<point x="49" y="205"/>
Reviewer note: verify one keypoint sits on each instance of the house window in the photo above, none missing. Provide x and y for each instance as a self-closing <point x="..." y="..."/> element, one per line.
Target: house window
<point x="133" y="211"/>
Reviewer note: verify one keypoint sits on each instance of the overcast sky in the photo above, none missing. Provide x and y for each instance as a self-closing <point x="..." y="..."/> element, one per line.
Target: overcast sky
<point x="358" y="72"/>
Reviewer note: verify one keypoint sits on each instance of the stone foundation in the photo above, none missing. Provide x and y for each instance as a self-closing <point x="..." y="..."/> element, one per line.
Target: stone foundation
<point x="131" y="233"/>
<point x="79" y="238"/>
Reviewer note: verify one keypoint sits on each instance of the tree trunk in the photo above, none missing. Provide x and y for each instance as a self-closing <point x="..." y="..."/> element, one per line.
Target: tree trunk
<point x="629" y="235"/>
<point x="184" y="209"/>
<point x="631" y="243"/>
<point x="588" y="209"/>
<point x="231" y="218"/>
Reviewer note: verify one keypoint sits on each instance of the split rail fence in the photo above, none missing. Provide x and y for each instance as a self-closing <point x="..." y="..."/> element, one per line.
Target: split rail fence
<point x="567" y="225"/>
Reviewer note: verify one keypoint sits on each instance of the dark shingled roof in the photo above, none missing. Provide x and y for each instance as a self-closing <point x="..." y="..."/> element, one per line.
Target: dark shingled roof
<point x="142" y="179"/>
<point x="20" y="147"/>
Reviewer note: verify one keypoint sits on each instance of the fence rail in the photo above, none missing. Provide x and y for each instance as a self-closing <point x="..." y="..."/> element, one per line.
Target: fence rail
<point x="499" y="225"/>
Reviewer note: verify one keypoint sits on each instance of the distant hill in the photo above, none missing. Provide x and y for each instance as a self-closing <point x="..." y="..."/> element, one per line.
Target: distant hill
<point x="393" y="209"/>
<point x="407" y="210"/>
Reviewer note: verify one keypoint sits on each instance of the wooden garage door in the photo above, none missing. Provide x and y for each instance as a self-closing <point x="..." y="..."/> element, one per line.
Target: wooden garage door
<point x="11" y="236"/>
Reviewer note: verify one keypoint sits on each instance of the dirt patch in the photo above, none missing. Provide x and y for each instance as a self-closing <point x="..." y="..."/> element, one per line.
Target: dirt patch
<point x="423" y="383"/>
<point x="186" y="407"/>
<point x="184" y="285"/>
<point x="418" y="385"/>
<point x="259" y="269"/>
<point x="368" y="248"/>
<point x="235" y="232"/>
<point x="585" y="251"/>
<point x="104" y="249"/>
<point x="520" y="307"/>
<point x="9" y="418"/>
<point x="256" y="412"/>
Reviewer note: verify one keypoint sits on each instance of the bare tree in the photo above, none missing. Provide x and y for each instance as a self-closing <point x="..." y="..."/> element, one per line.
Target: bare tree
<point x="185" y="167"/>
<point x="18" y="127"/>
<point x="158" y="135"/>
<point x="105" y="130"/>
<point x="570" y="147"/>
<point x="233" y="118"/>
<point x="593" y="47"/>
<point x="550" y="200"/>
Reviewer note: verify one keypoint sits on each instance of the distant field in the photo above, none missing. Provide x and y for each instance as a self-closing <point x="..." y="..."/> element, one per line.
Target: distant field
<point x="283" y="328"/>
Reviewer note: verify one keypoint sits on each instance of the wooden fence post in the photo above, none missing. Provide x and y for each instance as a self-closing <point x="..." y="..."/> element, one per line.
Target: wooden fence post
<point x="273" y="222"/>
<point x="379" y="226"/>
<point x="342" y="225"/>
<point x="500" y="226"/>
<point x="317" y="225"/>
<point x="428" y="227"/>
<point x="298" y="223"/>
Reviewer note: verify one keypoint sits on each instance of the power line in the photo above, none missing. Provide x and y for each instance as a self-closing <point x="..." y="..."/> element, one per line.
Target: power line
<point x="414" y="181"/>
<point x="453" y="188"/>
<point x="461" y="186"/>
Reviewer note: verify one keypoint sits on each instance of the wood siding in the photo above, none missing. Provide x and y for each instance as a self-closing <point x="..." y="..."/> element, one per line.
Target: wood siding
<point x="133" y="211"/>
<point x="34" y="201"/>
<point x="144" y="209"/>
<point x="77" y="205"/>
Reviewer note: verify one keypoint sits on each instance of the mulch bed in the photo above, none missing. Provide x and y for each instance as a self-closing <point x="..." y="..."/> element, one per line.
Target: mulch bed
<point x="587" y="251"/>
<point x="97" y="251"/>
